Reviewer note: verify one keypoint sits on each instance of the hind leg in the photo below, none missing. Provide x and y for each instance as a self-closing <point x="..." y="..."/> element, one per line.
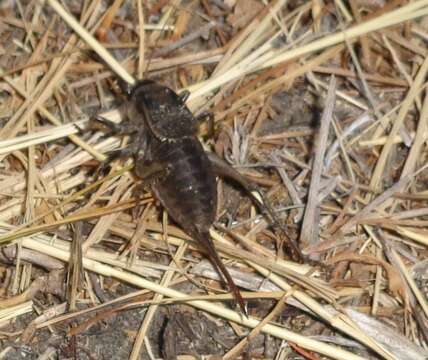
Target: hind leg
<point x="223" y="169"/>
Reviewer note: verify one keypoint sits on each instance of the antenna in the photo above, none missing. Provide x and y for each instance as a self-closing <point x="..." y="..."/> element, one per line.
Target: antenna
<point x="155" y="37"/>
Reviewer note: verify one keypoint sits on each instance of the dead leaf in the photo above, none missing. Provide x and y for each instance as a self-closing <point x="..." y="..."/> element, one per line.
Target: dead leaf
<point x="243" y="12"/>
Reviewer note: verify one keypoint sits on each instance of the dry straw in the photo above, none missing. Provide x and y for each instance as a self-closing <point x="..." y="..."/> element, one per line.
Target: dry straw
<point x="254" y="51"/>
<point x="282" y="333"/>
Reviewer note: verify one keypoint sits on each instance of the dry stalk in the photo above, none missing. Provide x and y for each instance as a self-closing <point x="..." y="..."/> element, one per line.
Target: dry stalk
<point x="304" y="342"/>
<point x="310" y="229"/>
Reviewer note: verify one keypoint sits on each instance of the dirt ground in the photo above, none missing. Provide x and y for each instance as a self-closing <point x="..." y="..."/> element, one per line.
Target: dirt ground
<point x="331" y="133"/>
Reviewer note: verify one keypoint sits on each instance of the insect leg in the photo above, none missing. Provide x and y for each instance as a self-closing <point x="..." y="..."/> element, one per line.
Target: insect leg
<point x="113" y="128"/>
<point x="184" y="95"/>
<point x="125" y="87"/>
<point x="223" y="169"/>
<point x="150" y="171"/>
<point x="203" y="117"/>
<point x="114" y="155"/>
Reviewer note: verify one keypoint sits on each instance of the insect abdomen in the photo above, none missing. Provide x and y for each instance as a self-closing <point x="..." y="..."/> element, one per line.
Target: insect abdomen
<point x="188" y="189"/>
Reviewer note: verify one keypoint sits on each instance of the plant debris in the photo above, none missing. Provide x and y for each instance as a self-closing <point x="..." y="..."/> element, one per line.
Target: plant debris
<point x="323" y="104"/>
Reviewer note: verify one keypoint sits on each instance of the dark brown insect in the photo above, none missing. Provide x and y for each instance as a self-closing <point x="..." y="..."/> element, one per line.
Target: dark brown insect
<point x="169" y="156"/>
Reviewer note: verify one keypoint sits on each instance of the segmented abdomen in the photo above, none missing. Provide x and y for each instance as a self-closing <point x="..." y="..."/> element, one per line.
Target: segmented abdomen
<point x="188" y="190"/>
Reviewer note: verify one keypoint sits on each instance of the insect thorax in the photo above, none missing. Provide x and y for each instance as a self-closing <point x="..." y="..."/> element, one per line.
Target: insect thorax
<point x="164" y="112"/>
